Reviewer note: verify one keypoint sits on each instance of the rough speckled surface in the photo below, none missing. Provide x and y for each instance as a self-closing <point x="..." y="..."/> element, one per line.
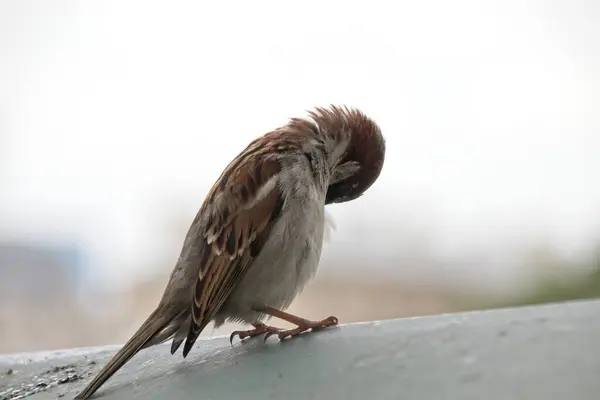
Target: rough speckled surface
<point x="546" y="352"/>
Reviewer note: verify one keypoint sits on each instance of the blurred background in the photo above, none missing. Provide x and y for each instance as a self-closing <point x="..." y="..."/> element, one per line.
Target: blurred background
<point x="117" y="116"/>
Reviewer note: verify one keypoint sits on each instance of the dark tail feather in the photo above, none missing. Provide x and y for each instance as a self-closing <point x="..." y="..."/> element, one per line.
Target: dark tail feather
<point x="180" y="334"/>
<point x="193" y="333"/>
<point x="153" y="325"/>
<point x="189" y="342"/>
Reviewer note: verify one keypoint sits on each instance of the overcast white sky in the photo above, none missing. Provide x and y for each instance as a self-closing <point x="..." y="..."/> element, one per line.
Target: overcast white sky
<point x="117" y="115"/>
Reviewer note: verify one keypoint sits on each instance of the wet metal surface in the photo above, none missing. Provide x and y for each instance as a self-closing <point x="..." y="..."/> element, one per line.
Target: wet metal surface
<point x="546" y="352"/>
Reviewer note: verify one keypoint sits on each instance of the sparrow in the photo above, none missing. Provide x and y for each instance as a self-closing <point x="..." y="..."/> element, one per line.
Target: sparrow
<point x="257" y="238"/>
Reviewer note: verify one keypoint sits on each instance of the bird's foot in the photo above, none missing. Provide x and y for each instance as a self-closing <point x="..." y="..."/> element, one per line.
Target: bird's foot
<point x="259" y="329"/>
<point x="303" y="326"/>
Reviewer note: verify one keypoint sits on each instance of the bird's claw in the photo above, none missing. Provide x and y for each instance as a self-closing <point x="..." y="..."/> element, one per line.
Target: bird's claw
<point x="269" y="334"/>
<point x="233" y="335"/>
<point x="327" y="322"/>
<point x="243" y="335"/>
<point x="310" y="325"/>
<point x="258" y="330"/>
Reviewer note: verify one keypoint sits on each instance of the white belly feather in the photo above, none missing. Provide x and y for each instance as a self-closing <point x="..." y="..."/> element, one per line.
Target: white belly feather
<point x="286" y="263"/>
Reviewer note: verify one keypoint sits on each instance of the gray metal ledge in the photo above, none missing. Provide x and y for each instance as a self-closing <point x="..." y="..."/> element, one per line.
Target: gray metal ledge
<point x="543" y="352"/>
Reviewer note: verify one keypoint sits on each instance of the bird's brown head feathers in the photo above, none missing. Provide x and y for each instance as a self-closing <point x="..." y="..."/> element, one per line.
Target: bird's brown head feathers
<point x="361" y="160"/>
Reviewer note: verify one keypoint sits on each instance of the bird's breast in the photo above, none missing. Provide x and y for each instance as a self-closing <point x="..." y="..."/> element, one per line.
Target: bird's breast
<point x="288" y="260"/>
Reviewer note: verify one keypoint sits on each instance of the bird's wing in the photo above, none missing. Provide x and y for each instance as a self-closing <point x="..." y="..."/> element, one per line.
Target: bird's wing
<point x="236" y="220"/>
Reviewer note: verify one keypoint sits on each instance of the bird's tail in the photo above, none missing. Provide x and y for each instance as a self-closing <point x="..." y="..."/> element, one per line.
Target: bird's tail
<point x="154" y="324"/>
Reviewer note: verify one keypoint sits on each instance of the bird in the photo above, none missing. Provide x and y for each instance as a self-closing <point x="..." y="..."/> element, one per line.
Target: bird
<point x="257" y="238"/>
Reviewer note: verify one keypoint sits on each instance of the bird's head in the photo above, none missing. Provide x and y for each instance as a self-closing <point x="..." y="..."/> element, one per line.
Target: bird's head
<point x="357" y="151"/>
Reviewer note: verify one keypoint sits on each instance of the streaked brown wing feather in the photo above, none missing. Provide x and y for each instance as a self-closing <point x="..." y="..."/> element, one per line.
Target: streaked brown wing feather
<point x="239" y="218"/>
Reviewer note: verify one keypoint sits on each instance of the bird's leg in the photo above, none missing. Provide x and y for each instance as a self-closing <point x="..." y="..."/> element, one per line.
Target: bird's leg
<point x="302" y="324"/>
<point x="259" y="329"/>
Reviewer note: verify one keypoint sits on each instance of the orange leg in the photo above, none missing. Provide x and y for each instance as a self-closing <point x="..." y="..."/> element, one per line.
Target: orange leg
<point x="302" y="324"/>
